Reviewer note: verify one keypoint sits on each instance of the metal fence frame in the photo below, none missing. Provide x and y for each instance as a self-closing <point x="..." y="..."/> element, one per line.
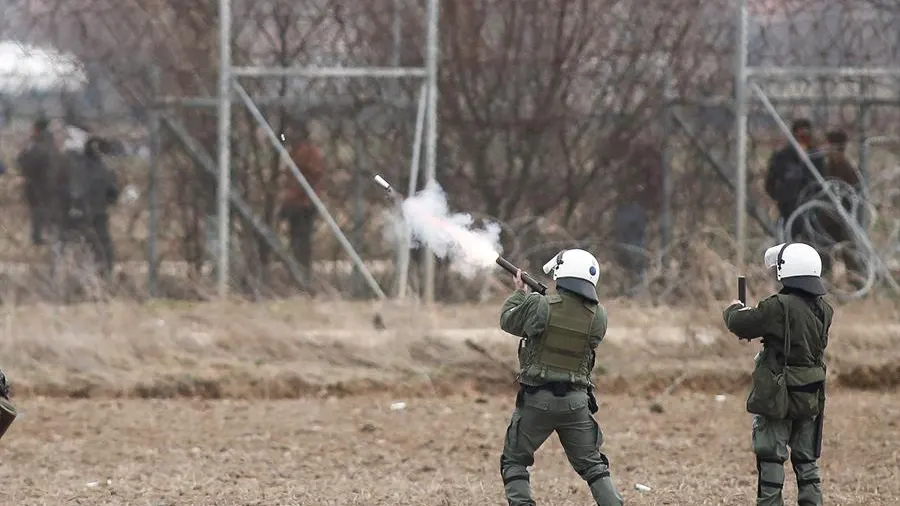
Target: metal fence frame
<point x="745" y="87"/>
<point x="228" y="85"/>
<point x="677" y="124"/>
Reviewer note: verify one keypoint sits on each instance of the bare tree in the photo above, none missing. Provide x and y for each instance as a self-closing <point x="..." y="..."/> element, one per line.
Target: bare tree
<point x="549" y="108"/>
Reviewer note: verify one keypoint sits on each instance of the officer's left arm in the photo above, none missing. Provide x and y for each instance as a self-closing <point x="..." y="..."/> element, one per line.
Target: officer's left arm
<point x="524" y="315"/>
<point x="748" y="322"/>
<point x="598" y="329"/>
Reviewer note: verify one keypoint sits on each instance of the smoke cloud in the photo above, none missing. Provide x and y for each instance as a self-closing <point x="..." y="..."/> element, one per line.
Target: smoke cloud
<point x="451" y="236"/>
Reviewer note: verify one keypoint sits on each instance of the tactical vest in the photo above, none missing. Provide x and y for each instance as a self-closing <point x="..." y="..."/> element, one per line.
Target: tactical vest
<point x="789" y="384"/>
<point x="563" y="353"/>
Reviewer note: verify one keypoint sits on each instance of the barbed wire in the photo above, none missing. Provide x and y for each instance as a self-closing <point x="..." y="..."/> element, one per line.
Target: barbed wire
<point x="552" y="114"/>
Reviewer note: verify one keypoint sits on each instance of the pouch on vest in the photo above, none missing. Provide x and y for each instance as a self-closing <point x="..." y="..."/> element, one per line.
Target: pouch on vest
<point x="768" y="391"/>
<point x="804" y="386"/>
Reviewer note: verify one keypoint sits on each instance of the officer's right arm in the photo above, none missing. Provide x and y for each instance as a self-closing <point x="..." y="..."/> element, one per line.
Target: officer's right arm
<point x="524" y="315"/>
<point x="748" y="322"/>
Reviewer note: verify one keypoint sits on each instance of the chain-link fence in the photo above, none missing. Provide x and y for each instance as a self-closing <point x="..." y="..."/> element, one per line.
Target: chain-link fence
<point x="597" y="124"/>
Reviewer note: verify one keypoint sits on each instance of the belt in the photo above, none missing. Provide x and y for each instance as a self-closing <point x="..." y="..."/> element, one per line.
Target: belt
<point x="559" y="388"/>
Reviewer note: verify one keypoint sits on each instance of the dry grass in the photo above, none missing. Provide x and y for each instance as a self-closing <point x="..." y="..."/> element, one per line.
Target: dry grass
<point x="298" y="347"/>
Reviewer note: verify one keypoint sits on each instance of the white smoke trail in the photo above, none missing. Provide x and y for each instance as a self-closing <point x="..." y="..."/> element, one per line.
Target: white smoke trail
<point x="451" y="236"/>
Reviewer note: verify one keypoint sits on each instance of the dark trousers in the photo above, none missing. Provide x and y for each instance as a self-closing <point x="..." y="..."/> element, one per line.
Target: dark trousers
<point x="95" y="232"/>
<point x="102" y="244"/>
<point x="301" y="228"/>
<point x="39" y="211"/>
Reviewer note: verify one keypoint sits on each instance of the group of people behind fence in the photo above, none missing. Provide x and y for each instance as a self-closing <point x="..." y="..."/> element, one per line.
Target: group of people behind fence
<point x="69" y="190"/>
<point x="807" y="212"/>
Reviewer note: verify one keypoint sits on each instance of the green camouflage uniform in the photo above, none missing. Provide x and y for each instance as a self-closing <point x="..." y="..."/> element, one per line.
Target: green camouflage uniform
<point x="807" y="324"/>
<point x="560" y="333"/>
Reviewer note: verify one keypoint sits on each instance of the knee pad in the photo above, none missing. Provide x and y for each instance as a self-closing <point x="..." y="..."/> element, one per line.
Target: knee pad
<point x="600" y="476"/>
<point x="517" y="476"/>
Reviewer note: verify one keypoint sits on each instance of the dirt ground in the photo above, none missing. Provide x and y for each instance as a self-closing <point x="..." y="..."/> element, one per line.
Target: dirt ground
<point x="290" y="403"/>
<point x="438" y="451"/>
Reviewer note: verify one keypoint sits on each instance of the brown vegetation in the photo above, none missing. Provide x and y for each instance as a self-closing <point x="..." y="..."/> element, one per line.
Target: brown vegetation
<point x="550" y="110"/>
<point x="295" y="347"/>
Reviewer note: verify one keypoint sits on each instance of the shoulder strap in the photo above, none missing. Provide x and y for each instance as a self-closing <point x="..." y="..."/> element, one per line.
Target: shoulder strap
<point x="787" y="329"/>
<point x="826" y="327"/>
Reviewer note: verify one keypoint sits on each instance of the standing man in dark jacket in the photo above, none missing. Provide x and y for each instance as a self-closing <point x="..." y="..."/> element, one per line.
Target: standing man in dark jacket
<point x="37" y="161"/>
<point x="631" y="232"/>
<point x="839" y="167"/>
<point x="90" y="188"/>
<point x="788" y="175"/>
<point x="787" y="396"/>
<point x="559" y="334"/>
<point x="297" y="208"/>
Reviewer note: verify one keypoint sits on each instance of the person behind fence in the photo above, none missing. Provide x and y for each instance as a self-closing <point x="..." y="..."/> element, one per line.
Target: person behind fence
<point x="297" y="208"/>
<point x="788" y="175"/>
<point x="559" y="334"/>
<point x="787" y="394"/>
<point x="88" y="189"/>
<point x="631" y="231"/>
<point x="839" y="167"/>
<point x="36" y="162"/>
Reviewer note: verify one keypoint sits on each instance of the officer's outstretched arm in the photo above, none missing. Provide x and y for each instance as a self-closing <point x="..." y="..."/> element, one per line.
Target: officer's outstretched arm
<point x="524" y="315"/>
<point x="748" y="322"/>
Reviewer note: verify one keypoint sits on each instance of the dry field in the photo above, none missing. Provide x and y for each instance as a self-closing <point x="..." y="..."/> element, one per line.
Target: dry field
<point x="290" y="403"/>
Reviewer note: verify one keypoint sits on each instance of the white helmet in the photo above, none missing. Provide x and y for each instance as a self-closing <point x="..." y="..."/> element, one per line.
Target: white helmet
<point x="575" y="270"/>
<point x="797" y="265"/>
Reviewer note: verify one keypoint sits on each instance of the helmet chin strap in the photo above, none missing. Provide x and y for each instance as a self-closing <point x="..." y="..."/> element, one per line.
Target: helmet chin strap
<point x="780" y="260"/>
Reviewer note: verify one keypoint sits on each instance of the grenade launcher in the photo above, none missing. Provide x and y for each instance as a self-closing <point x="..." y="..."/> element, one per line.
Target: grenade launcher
<point x="532" y="283"/>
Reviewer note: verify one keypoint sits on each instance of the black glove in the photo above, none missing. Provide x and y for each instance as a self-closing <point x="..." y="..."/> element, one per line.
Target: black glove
<point x="4" y="386"/>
